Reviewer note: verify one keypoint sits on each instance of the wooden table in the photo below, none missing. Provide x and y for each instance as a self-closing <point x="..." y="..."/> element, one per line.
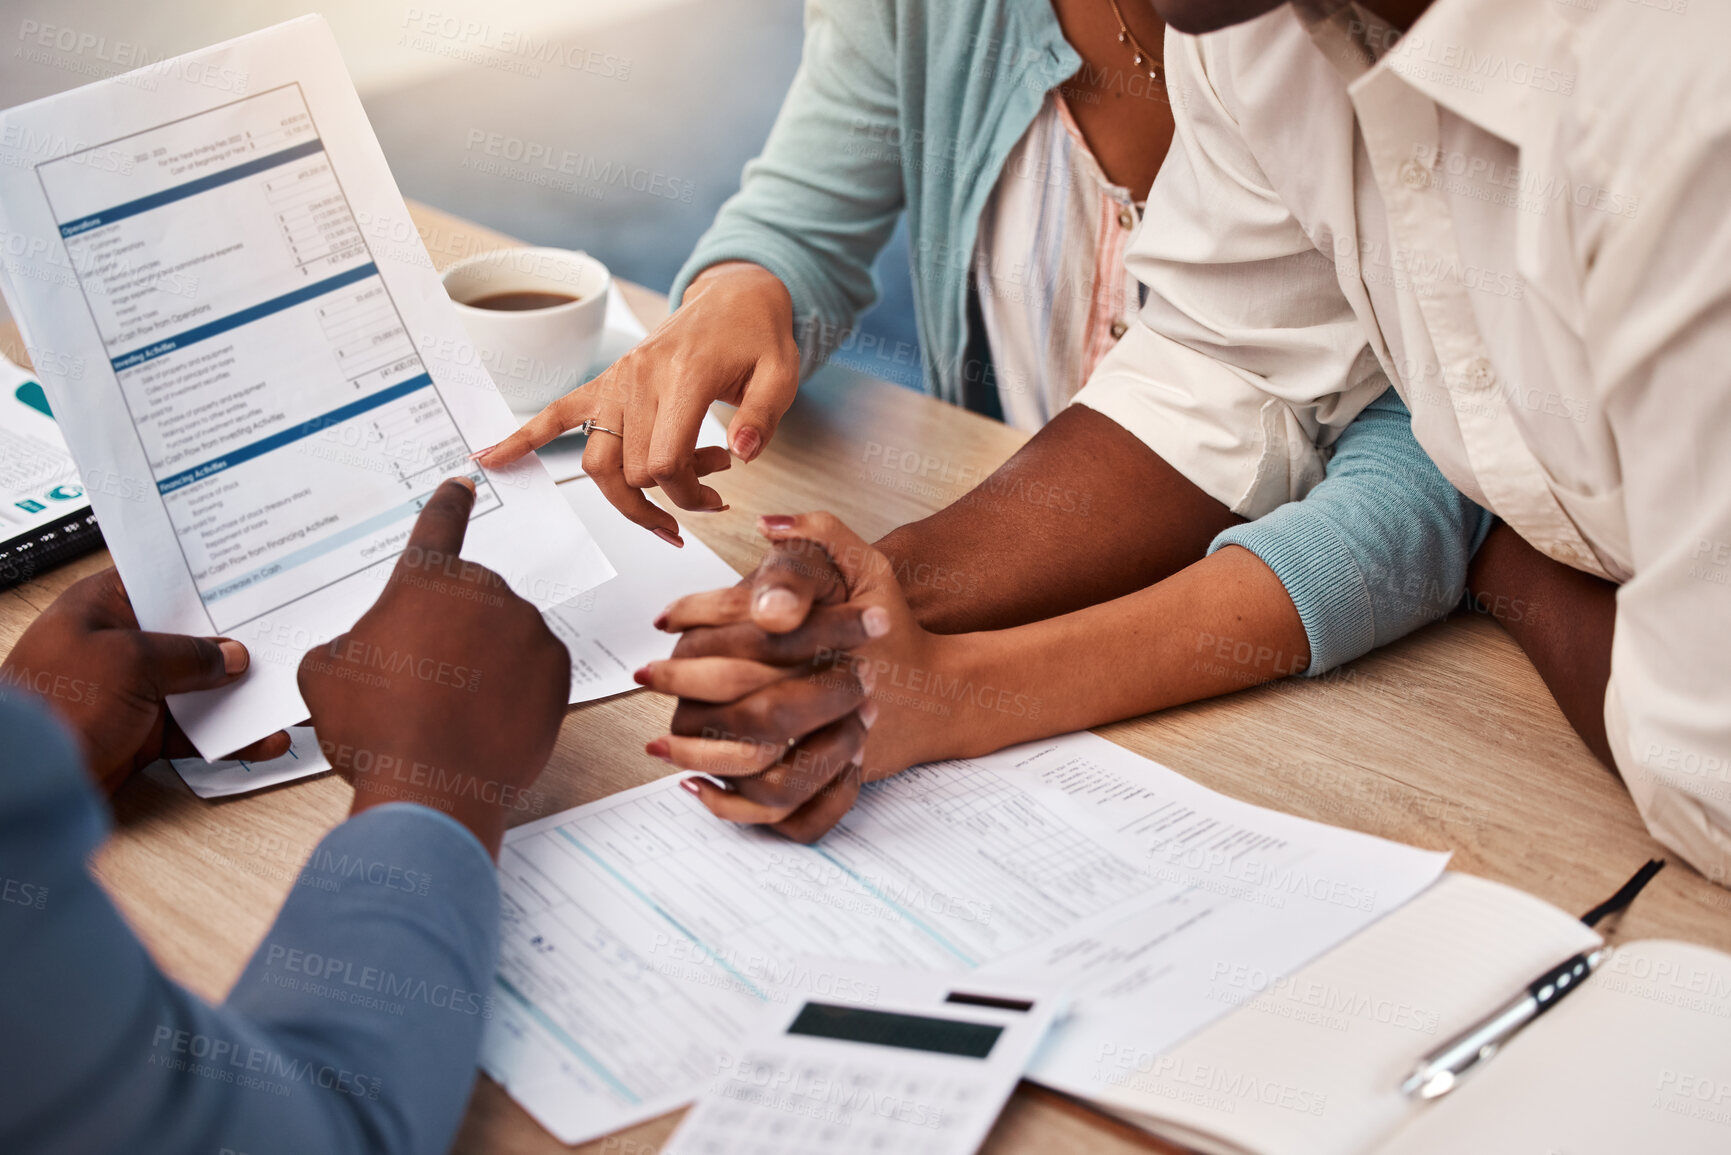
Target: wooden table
<point x="1446" y="740"/>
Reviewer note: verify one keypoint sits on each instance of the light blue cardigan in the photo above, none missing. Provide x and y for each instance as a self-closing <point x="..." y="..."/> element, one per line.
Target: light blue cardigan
<point x="912" y="106"/>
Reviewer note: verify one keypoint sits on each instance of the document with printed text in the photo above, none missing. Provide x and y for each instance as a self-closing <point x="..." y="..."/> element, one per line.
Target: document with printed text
<point x="641" y="935"/>
<point x="259" y="399"/>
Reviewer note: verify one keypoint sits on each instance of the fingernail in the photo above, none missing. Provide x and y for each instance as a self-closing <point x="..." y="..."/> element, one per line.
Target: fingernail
<point x="746" y="443"/>
<point x="479" y="454"/>
<point x="775" y="602"/>
<point x="868" y="714"/>
<point x="690" y="786"/>
<point x="867" y="676"/>
<point x="723" y="508"/>
<point x="467" y="483"/>
<point x="876" y="621"/>
<point x="669" y="537"/>
<point x="775" y="521"/>
<point x="641" y="677"/>
<point x="659" y="749"/>
<point x="234" y="658"/>
<point x="661" y="618"/>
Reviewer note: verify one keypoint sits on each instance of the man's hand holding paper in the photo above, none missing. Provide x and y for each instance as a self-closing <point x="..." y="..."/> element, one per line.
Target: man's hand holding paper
<point x="262" y="386"/>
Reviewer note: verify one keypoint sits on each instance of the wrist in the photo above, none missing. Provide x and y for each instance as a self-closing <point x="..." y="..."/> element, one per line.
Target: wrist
<point x="929" y="588"/>
<point x="980" y="699"/>
<point x="478" y="800"/>
<point x="739" y="277"/>
<point x="485" y="822"/>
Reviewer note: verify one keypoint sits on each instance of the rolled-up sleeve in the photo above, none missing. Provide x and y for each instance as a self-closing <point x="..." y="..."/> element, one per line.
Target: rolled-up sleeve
<point x="1377" y="549"/>
<point x="1247" y="360"/>
<point x="821" y="200"/>
<point x="354" y="1028"/>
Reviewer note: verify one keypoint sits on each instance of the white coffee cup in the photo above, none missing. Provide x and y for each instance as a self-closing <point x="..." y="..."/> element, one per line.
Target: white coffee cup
<point x="534" y="355"/>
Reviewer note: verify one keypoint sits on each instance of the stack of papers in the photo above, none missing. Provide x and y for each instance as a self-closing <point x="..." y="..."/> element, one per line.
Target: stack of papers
<point x="643" y="937"/>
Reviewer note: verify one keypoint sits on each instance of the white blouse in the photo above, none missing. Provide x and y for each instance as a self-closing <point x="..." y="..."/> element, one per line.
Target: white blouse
<point x="1049" y="267"/>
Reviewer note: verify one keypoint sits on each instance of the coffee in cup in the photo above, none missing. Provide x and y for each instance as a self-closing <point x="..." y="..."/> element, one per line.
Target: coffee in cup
<point x="536" y="317"/>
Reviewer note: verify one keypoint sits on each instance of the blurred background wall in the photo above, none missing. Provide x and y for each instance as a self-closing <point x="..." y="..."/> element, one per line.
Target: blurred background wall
<point x="683" y="89"/>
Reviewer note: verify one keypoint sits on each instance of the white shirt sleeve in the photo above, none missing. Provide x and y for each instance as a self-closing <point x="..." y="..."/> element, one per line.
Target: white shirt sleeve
<point x="1247" y="360"/>
<point x="1658" y="310"/>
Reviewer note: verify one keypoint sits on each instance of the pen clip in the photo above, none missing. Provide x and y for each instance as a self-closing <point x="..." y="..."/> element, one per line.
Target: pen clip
<point x="1625" y="894"/>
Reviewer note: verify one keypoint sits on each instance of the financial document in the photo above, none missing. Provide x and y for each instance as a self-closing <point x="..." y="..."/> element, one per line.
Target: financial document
<point x="246" y="383"/>
<point x="641" y="936"/>
<point x="233" y="776"/>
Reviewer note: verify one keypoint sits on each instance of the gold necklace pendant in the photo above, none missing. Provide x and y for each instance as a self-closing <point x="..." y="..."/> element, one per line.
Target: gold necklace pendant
<point x="1139" y="54"/>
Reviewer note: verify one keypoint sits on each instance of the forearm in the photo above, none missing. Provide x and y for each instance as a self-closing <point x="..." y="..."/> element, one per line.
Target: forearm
<point x="380" y="964"/>
<point x="1082" y="514"/>
<point x="110" y="1055"/>
<point x="811" y="208"/>
<point x="1561" y="617"/>
<point x="1222" y="624"/>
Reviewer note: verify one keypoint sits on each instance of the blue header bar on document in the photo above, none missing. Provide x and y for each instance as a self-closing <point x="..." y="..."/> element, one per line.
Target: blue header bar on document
<point x="290" y="436"/>
<point x="190" y="188"/>
<point x="246" y="316"/>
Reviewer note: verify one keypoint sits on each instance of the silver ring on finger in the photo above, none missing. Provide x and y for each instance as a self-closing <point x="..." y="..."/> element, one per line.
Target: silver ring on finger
<point x="590" y="425"/>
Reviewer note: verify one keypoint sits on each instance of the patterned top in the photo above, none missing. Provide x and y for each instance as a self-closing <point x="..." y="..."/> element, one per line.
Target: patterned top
<point x="1049" y="267"/>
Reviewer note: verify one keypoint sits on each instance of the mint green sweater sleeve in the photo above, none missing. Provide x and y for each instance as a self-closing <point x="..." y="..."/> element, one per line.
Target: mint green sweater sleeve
<point x="1377" y="549"/>
<point x="821" y="200"/>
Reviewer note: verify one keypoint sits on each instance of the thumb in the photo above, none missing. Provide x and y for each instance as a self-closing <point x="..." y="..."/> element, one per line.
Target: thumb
<point x="862" y="567"/>
<point x="179" y="664"/>
<point x="773" y="385"/>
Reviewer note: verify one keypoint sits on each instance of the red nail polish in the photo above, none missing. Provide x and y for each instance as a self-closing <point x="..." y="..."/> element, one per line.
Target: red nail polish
<point x="641" y="677"/>
<point x="775" y="521"/>
<point x="690" y="784"/>
<point x="659" y="749"/>
<point x="660" y="622"/>
<point x="671" y="539"/>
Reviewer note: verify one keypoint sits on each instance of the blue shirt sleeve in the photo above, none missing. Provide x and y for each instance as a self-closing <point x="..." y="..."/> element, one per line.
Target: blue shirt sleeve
<point x="354" y="1028"/>
<point x="1377" y="549"/>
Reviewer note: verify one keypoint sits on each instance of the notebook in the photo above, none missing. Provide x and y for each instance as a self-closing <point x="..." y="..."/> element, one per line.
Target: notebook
<point x="45" y="518"/>
<point x="1639" y="1059"/>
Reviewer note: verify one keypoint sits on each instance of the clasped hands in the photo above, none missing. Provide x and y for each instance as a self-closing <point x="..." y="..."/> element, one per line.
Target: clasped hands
<point x="803" y="682"/>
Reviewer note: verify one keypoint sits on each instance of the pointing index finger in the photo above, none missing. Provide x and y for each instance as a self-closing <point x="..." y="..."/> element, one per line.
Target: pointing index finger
<point x="440" y="528"/>
<point x="559" y="416"/>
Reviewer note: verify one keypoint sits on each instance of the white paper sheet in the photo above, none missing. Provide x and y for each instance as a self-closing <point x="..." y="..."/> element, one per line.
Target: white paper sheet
<point x="609" y="631"/>
<point x="1235" y="888"/>
<point x="259" y="397"/>
<point x="232" y="776"/>
<point x="641" y="934"/>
